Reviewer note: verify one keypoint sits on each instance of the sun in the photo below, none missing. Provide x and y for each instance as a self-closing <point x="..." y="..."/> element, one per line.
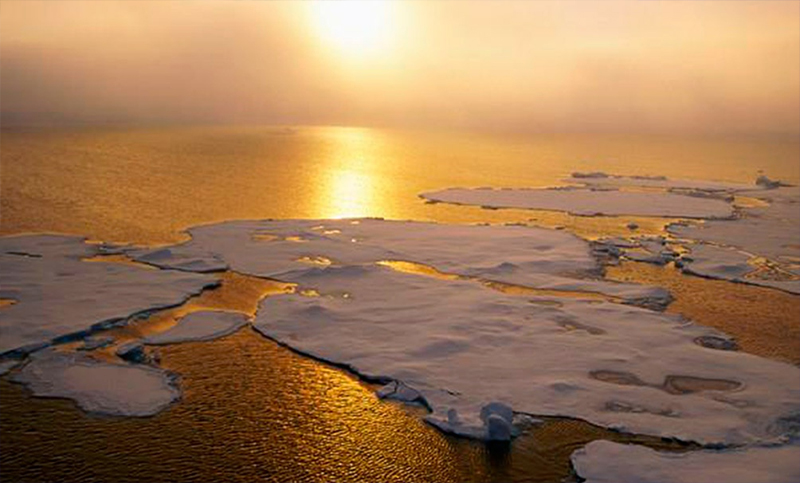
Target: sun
<point x="354" y="27"/>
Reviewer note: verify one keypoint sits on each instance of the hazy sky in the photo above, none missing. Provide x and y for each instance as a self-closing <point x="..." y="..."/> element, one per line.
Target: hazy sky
<point x="536" y="65"/>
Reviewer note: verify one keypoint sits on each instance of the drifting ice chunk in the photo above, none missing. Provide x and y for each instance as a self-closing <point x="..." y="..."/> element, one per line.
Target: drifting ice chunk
<point x="589" y="202"/>
<point x="99" y="387"/>
<point x="614" y="365"/>
<point x="59" y="295"/>
<point x="607" y="462"/>
<point x="400" y="392"/>
<point x="200" y="326"/>
<point x="133" y="352"/>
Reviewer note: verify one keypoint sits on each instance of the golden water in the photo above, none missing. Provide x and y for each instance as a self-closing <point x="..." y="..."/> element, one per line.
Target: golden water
<point x="253" y="410"/>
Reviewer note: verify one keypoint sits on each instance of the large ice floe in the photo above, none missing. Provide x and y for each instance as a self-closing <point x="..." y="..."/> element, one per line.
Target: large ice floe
<point x="99" y="387"/>
<point x="607" y="462"/>
<point x="468" y="353"/>
<point x="538" y="258"/>
<point x="462" y="347"/>
<point x="58" y="295"/>
<point x="602" y="194"/>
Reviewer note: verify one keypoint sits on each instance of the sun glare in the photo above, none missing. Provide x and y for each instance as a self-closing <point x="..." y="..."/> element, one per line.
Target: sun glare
<point x="355" y="27"/>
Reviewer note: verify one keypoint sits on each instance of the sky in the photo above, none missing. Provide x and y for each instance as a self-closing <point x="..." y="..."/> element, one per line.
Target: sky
<point x="546" y="66"/>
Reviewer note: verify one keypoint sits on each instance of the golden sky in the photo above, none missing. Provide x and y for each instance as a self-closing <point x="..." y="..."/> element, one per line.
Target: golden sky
<point x="557" y="66"/>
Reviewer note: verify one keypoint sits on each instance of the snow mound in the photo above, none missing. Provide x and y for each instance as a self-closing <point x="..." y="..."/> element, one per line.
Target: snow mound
<point x="99" y="387"/>
<point x="607" y="462"/>
<point x="589" y="201"/>
<point x="199" y="326"/>
<point x="59" y="296"/>
<point x="461" y="347"/>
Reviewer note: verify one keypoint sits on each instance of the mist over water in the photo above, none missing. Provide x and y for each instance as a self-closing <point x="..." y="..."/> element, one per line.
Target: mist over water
<point x="688" y="67"/>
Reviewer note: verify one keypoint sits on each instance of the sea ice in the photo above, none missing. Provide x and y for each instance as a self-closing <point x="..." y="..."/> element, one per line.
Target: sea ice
<point x="533" y="257"/>
<point x="58" y="295"/>
<point x="462" y="347"/>
<point x="608" y="462"/>
<point x="600" y="179"/>
<point x="589" y="201"/>
<point x="771" y="232"/>
<point x="98" y="387"/>
<point x="199" y="326"/>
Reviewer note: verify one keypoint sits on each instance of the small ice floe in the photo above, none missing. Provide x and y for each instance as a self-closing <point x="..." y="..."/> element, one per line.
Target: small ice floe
<point x="608" y="462"/>
<point x="589" y="201"/>
<point x="134" y="352"/>
<point x="460" y="346"/>
<point x="99" y="387"/>
<point x="94" y="343"/>
<point x="199" y="326"/>
<point x="60" y="297"/>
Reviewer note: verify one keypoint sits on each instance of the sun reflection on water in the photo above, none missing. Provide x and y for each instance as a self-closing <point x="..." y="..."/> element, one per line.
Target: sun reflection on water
<point x="350" y="175"/>
<point x="350" y="194"/>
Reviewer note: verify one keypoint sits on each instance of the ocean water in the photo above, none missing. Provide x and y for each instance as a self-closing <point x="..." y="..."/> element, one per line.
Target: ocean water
<point x="253" y="410"/>
<point x="146" y="185"/>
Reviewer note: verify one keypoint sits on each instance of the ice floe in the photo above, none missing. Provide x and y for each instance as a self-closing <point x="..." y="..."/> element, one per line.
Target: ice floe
<point x="99" y="387"/>
<point x="199" y="326"/>
<point x="608" y="462"/>
<point x="771" y="232"/>
<point x="462" y="347"/>
<point x="59" y="296"/>
<point x="589" y="201"/>
<point x="760" y="247"/>
<point x="478" y="358"/>
<point x="600" y="179"/>
<point x="533" y="257"/>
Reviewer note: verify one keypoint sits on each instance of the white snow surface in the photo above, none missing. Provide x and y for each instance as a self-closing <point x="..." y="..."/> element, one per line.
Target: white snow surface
<point x="199" y="326"/>
<point x="772" y="232"/>
<point x="57" y="294"/>
<point x="98" y="387"/>
<point x="608" y="462"/>
<point x="730" y="264"/>
<point x="463" y="347"/>
<point x="589" y="201"/>
<point x="533" y="257"/>
<point x="601" y="179"/>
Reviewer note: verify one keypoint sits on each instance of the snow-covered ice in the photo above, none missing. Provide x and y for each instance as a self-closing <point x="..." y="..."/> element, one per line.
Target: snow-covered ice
<point x="771" y="232"/>
<point x="99" y="387"/>
<point x="533" y="257"/>
<point x="58" y="295"/>
<point x="470" y="354"/>
<point x="199" y="326"/>
<point x="608" y="462"/>
<point x="462" y="347"/>
<point x="600" y="179"/>
<point x="589" y="201"/>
